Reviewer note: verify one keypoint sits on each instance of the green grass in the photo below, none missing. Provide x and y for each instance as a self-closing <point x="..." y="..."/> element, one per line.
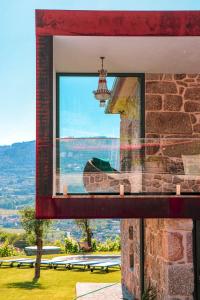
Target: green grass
<point x="13" y="230"/>
<point x="22" y="254"/>
<point x="16" y="284"/>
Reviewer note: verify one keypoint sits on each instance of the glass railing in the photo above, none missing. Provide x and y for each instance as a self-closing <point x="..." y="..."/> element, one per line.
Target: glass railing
<point x="136" y="166"/>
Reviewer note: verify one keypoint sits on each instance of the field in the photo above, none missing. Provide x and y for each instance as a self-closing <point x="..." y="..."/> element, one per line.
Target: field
<point x="8" y="212"/>
<point x="54" y="284"/>
<point x="13" y="230"/>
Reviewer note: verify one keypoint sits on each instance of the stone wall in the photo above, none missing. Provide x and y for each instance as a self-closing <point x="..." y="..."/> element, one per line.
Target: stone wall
<point x="129" y="135"/>
<point x="101" y="182"/>
<point x="168" y="258"/>
<point x="172" y="111"/>
<point x="131" y="247"/>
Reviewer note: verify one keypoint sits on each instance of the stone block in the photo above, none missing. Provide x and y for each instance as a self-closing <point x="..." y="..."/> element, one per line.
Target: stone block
<point x="181" y="90"/>
<point x="155" y="165"/>
<point x="175" y="246"/>
<point x="158" y="177"/>
<point x="178" y="276"/>
<point x="175" y="166"/>
<point x="168" y="187"/>
<point x="192" y="93"/>
<point x="168" y="123"/>
<point x="182" y="83"/>
<point x="192" y="106"/>
<point x="153" y="102"/>
<point x="172" y="102"/>
<point x="99" y="178"/>
<point x="177" y="180"/>
<point x="182" y="147"/>
<point x="193" y="119"/>
<point x="196" y="128"/>
<point x="156" y="183"/>
<point x="192" y="75"/>
<point x="190" y="81"/>
<point x="161" y="87"/>
<point x="167" y="178"/>
<point x="153" y="76"/>
<point x="178" y="224"/>
<point x="179" y="76"/>
<point x="196" y="188"/>
<point x="168" y="77"/>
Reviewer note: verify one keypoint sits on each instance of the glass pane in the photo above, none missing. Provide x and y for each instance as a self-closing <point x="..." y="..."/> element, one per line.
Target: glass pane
<point x="91" y="144"/>
<point x="99" y="150"/>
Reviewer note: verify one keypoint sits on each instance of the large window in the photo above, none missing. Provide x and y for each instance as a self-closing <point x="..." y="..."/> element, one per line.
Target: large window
<point x="100" y="150"/>
<point x="91" y="141"/>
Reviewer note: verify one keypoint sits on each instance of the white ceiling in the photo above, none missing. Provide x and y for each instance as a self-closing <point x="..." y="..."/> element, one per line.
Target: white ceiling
<point x="127" y="54"/>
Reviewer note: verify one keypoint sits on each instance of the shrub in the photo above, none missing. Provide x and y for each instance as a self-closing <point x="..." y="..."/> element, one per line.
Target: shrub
<point x="3" y="236"/>
<point x="110" y="245"/>
<point x="15" y="239"/>
<point x="7" y="250"/>
<point x="58" y="243"/>
<point x="71" y="246"/>
<point x="94" y="244"/>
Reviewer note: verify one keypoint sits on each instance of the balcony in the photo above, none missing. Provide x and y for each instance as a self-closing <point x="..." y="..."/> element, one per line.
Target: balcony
<point x="96" y="166"/>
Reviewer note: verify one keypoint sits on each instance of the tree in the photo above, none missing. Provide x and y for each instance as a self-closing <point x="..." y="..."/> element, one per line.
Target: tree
<point x="37" y="228"/>
<point x="85" y="227"/>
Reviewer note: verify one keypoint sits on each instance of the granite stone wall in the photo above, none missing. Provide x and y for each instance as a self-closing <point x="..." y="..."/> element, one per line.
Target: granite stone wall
<point x="173" y="123"/>
<point x="130" y="256"/>
<point x="131" y="167"/>
<point x="101" y="182"/>
<point x="172" y="111"/>
<point x="168" y="258"/>
<point x="172" y="126"/>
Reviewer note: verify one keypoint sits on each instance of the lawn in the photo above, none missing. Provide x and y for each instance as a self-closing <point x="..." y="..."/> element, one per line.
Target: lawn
<point x="57" y="284"/>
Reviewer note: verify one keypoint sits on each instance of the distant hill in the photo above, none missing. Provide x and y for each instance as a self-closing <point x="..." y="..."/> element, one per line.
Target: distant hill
<point x="17" y="175"/>
<point x="17" y="184"/>
<point x="17" y="158"/>
<point x="17" y="166"/>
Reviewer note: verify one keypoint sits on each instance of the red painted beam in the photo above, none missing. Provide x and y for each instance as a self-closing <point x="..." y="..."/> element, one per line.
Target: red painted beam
<point x="126" y="207"/>
<point x="117" y="23"/>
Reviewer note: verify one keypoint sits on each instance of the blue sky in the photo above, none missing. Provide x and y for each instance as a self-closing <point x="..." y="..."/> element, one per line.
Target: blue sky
<point x="80" y="114"/>
<point x="17" y="55"/>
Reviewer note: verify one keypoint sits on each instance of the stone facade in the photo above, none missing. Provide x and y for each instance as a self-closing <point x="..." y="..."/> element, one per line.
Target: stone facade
<point x="168" y="243"/>
<point x="176" y="120"/>
<point x="130" y="132"/>
<point x="172" y="129"/>
<point x="100" y="182"/>
<point x="168" y="258"/>
<point x="131" y="256"/>
<point x="172" y="111"/>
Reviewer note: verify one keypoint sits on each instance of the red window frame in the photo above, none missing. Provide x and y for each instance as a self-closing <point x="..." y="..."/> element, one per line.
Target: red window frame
<point x="50" y="23"/>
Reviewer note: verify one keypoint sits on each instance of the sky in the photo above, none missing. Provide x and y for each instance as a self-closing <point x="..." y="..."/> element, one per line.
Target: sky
<point x="17" y="55"/>
<point x="80" y="113"/>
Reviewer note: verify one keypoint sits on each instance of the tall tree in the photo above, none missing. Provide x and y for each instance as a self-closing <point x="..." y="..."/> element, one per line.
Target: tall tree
<point x="85" y="226"/>
<point x="35" y="227"/>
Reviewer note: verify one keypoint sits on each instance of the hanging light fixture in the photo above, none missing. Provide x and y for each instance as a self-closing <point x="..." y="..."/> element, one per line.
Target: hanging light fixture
<point x="102" y="93"/>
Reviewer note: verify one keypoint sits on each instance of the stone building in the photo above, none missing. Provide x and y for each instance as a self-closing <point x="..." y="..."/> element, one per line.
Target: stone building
<point x="171" y="133"/>
<point x="171" y="111"/>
